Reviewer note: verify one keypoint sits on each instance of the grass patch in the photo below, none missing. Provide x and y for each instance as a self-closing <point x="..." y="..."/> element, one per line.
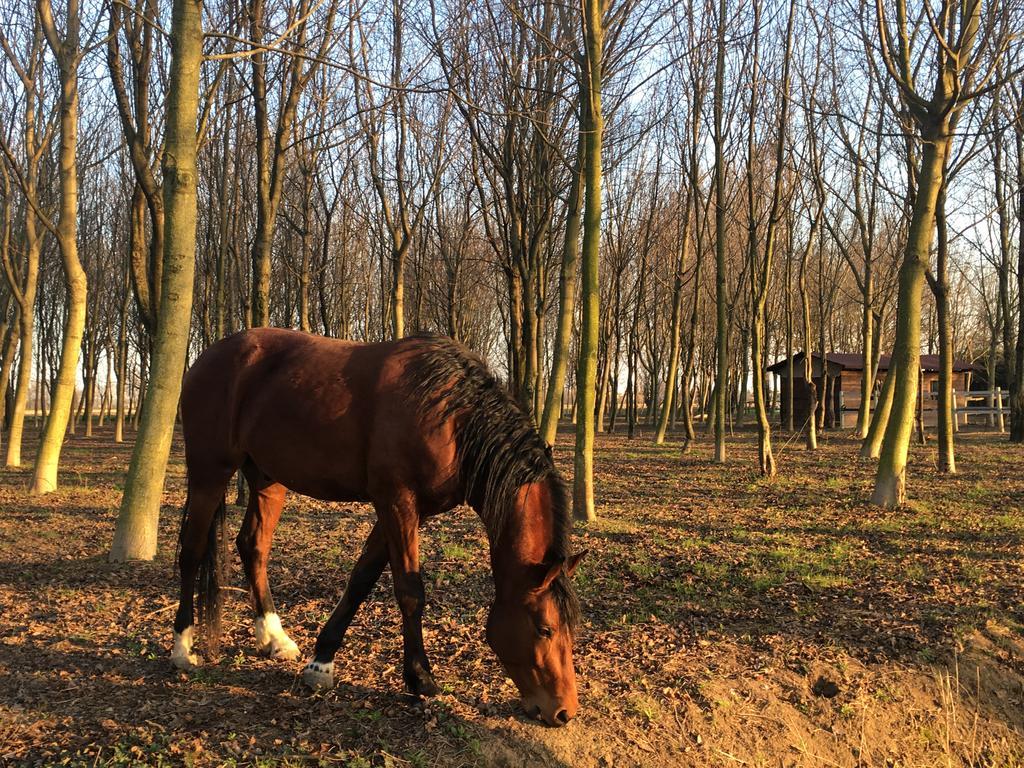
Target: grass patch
<point x="455" y="551"/>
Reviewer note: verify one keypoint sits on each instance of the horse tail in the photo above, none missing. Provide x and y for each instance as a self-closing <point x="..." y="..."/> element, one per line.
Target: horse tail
<point x="181" y="530"/>
<point x="212" y="576"/>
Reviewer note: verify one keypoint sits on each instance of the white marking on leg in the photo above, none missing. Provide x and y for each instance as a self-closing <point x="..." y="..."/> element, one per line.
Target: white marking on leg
<point x="319" y="675"/>
<point x="181" y="654"/>
<point x="272" y="640"/>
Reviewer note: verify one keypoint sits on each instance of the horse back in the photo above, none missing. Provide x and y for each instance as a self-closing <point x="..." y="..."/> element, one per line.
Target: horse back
<point x="327" y="418"/>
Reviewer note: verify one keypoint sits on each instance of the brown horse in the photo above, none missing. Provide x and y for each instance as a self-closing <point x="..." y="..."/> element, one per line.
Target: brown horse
<point x="416" y="427"/>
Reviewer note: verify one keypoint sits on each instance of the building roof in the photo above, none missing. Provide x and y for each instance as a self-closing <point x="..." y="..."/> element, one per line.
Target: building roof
<point x="855" y="362"/>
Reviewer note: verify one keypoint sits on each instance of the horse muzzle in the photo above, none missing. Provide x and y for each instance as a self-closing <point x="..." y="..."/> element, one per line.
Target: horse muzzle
<point x="555" y="714"/>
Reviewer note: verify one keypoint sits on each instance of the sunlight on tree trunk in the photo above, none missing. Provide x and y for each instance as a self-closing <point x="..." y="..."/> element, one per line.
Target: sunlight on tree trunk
<point x="135" y="537"/>
<point x="68" y="56"/>
<point x="25" y="295"/>
<point x="890" y="481"/>
<point x="934" y="116"/>
<point x="872" y="445"/>
<point x="586" y="376"/>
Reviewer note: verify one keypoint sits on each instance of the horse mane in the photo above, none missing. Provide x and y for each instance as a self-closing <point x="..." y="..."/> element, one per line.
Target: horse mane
<point x="498" y="447"/>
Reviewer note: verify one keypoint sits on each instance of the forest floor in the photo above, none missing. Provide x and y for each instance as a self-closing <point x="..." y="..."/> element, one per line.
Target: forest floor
<point x="729" y="620"/>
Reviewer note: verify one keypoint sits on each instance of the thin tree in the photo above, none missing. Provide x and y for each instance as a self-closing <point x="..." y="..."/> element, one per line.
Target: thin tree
<point x="566" y="298"/>
<point x="697" y="83"/>
<point x="721" y="391"/>
<point x="761" y="269"/>
<point x="938" y="281"/>
<point x="272" y="145"/>
<point x="865" y="183"/>
<point x="23" y="278"/>
<point x="67" y="52"/>
<point x="1017" y="393"/>
<point x="592" y="126"/>
<point x="133" y="108"/>
<point x="675" y="324"/>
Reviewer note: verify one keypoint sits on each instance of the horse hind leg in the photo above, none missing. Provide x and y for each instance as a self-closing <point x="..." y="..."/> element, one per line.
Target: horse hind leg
<point x="319" y="672"/>
<point x="204" y="501"/>
<point x="263" y="511"/>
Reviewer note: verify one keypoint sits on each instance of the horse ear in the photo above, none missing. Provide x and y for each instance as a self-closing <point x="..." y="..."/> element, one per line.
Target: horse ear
<point x="572" y="561"/>
<point x="553" y="572"/>
<point x="566" y="565"/>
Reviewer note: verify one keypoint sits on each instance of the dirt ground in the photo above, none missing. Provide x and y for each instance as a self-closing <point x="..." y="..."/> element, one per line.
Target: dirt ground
<point x="730" y="621"/>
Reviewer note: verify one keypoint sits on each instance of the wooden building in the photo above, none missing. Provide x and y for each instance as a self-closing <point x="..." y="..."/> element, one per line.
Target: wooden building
<point x="837" y="378"/>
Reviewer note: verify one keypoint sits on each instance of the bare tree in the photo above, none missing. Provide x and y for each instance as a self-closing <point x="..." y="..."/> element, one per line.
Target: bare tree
<point x="67" y="52"/>
<point x="22" y="276"/>
<point x="959" y="61"/>
<point x="297" y="69"/>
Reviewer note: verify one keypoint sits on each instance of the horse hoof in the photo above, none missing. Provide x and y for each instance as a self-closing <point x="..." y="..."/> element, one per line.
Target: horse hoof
<point x="281" y="650"/>
<point x="422" y="685"/>
<point x="319" y="675"/>
<point x="186" y="663"/>
<point x="272" y="641"/>
<point x="181" y="654"/>
<point x="287" y="652"/>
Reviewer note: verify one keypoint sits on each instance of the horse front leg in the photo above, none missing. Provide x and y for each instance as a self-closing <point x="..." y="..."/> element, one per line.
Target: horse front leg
<point x="319" y="672"/>
<point x="401" y="527"/>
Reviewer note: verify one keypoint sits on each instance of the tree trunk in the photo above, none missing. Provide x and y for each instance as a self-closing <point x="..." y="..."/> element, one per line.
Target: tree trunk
<point x="890" y="481"/>
<point x="89" y="395"/>
<point x="691" y="350"/>
<point x="122" y="376"/>
<point x="527" y="391"/>
<point x="1017" y="391"/>
<point x="135" y="537"/>
<point x="583" y="478"/>
<point x="106" y="397"/>
<point x="940" y="287"/>
<point x="24" y="381"/>
<point x="304" y="273"/>
<point x="26" y="296"/>
<point x="68" y="55"/>
<point x="605" y="383"/>
<point x="122" y="361"/>
<point x="867" y="380"/>
<point x="721" y="395"/>
<point x="872" y="445"/>
<point x="790" y="364"/>
<point x="265" y="210"/>
<point x="10" y="347"/>
<point x="675" y="329"/>
<point x="398" y="291"/>
<point x="761" y="273"/>
<point x="741" y="397"/>
<point x="566" y="300"/>
<point x="812" y="388"/>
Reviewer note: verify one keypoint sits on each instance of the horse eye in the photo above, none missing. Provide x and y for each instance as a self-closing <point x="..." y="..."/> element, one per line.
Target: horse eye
<point x="546" y="632"/>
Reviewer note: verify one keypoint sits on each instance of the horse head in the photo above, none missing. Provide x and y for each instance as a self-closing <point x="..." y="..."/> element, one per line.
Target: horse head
<point x="531" y="631"/>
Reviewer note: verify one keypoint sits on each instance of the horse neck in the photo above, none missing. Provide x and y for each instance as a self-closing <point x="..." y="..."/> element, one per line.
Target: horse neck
<point x="528" y="537"/>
